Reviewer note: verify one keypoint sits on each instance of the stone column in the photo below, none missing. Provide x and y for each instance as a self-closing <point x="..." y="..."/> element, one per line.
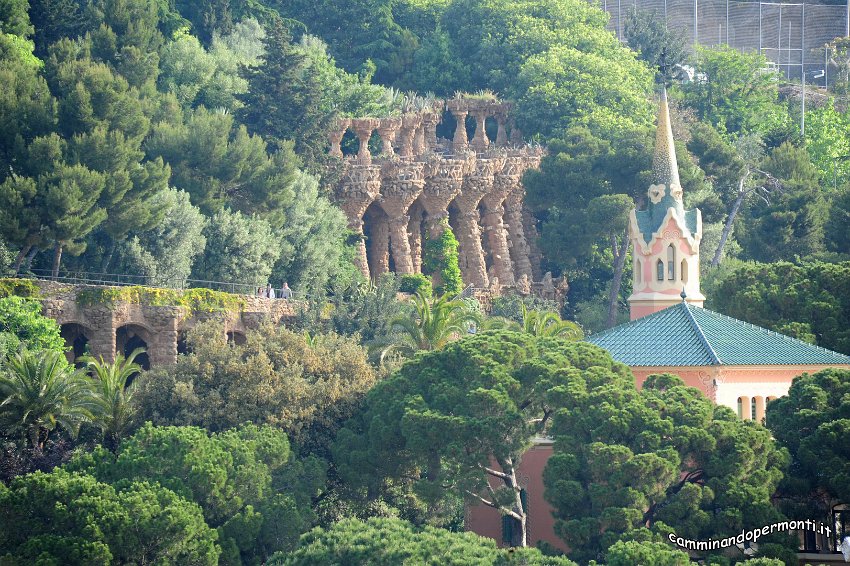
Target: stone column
<point x="430" y="121"/>
<point x="443" y="182"/>
<point x="409" y="124"/>
<point x="419" y="146"/>
<point x="403" y="182"/>
<point x="477" y="184"/>
<point x="480" y="142"/>
<point x="379" y="248"/>
<point x="497" y="234"/>
<point x="520" y="251"/>
<point x="502" y="133"/>
<point x="102" y="343"/>
<point x="162" y="351"/>
<point x="359" y="188"/>
<point x="459" y="110"/>
<point x="363" y="128"/>
<point x="335" y="136"/>
<point x="388" y="130"/>
<point x="414" y="228"/>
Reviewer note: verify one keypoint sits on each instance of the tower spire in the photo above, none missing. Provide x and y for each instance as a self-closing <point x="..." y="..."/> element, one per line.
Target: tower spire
<point x="665" y="167"/>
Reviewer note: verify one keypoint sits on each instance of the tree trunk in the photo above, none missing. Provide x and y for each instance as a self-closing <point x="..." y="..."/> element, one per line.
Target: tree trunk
<point x="727" y="228"/>
<point x="620" y="252"/>
<point x="20" y="259"/>
<point x="30" y="256"/>
<point x="519" y="508"/>
<point x="57" y="259"/>
<point x="107" y="259"/>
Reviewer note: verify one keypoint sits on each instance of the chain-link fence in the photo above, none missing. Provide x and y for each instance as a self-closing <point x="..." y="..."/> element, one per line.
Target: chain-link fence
<point x="792" y="35"/>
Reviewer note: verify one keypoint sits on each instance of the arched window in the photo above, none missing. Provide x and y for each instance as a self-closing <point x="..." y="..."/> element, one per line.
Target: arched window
<point x="671" y="263"/>
<point x="659" y="268"/>
<point x="684" y="271"/>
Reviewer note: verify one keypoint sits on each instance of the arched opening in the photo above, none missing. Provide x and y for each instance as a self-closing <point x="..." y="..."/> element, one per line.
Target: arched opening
<point x="132" y="336"/>
<point x="491" y="127"/>
<point x="350" y="144"/>
<point x="671" y="263"/>
<point x="659" y="269"/>
<point x="76" y="338"/>
<point x="236" y="337"/>
<point x="182" y="343"/>
<point x="446" y="127"/>
<point x="744" y="408"/>
<point x="684" y="270"/>
<point x="376" y="229"/>
<point x="638" y="271"/>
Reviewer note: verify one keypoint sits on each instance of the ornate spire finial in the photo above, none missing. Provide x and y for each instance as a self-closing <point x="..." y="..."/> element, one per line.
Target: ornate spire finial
<point x="665" y="167"/>
<point x="683" y="294"/>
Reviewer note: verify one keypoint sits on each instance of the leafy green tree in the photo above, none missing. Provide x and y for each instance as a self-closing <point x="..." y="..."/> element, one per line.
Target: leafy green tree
<point x="14" y="18"/>
<point x="239" y="478"/>
<point x="186" y="68"/>
<point x="660" y="47"/>
<point x="791" y="223"/>
<point x="441" y="262"/>
<point x="313" y="240"/>
<point x="165" y="253"/>
<point x="812" y="423"/>
<point x="585" y="189"/>
<point x="71" y="518"/>
<point x="22" y="324"/>
<point x="455" y="422"/>
<point x="40" y="392"/>
<point x="368" y="309"/>
<point x="665" y="458"/>
<point x="738" y="95"/>
<point x="837" y="225"/>
<point x="221" y="165"/>
<point x="113" y="396"/>
<point x="627" y="553"/>
<point x="828" y="143"/>
<point x="284" y="100"/>
<point x="394" y="541"/>
<point x="432" y="325"/>
<point x="806" y="300"/>
<point x="243" y="46"/>
<point x="277" y="377"/>
<point x="241" y="249"/>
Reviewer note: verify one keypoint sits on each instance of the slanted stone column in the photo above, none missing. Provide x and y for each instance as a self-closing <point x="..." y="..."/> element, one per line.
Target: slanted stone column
<point x="477" y="184"/>
<point x="419" y="146"/>
<point x="363" y="128"/>
<point x="497" y="235"/>
<point x="403" y="182"/>
<point x="520" y="251"/>
<point x="480" y="142"/>
<point x="414" y="228"/>
<point x="359" y="188"/>
<point x="388" y="130"/>
<point x="459" y="110"/>
<point x="379" y="248"/>
<point x="335" y="136"/>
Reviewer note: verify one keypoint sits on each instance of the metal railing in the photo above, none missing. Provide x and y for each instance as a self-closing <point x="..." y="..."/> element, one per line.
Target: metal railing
<point x="123" y="279"/>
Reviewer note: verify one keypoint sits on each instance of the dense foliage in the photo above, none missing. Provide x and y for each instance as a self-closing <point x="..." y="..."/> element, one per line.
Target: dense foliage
<point x="810" y="301"/>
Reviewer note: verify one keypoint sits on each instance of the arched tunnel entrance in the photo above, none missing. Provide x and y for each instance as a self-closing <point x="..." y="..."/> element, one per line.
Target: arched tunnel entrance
<point x="76" y="338"/>
<point x="130" y="337"/>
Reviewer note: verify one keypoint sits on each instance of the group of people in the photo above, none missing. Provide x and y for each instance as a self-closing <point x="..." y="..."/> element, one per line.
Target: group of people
<point x="268" y="292"/>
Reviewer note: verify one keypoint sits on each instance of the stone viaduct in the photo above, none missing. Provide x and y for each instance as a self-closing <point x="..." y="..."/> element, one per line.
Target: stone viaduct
<point x="397" y="199"/>
<point x="106" y="329"/>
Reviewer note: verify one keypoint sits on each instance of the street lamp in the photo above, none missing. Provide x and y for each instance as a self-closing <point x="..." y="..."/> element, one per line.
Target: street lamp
<point x="817" y="74"/>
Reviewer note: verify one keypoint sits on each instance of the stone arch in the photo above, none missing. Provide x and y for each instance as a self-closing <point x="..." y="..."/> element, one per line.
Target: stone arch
<point x="377" y="232"/>
<point x="77" y="337"/>
<point x="130" y="336"/>
<point x="350" y="145"/>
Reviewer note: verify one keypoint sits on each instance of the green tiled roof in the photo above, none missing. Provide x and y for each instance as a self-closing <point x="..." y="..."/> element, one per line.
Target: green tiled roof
<point x="649" y="220"/>
<point x="686" y="335"/>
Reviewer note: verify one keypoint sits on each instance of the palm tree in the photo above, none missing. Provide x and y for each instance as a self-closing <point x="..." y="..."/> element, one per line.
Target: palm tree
<point x="39" y="392"/>
<point x="432" y="325"/>
<point x="547" y="323"/>
<point x="114" y="411"/>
